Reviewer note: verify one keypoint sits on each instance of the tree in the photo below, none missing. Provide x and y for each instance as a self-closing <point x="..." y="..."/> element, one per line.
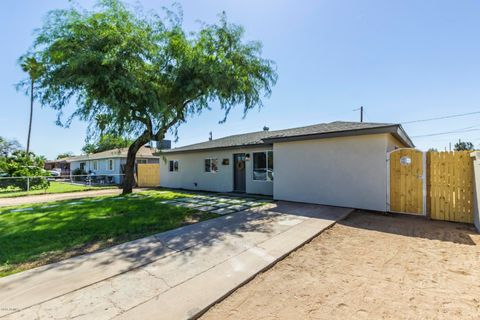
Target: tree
<point x="21" y="164"/>
<point x="65" y="155"/>
<point x="144" y="73"/>
<point x="8" y="146"/>
<point x="464" y="146"/>
<point x="34" y="69"/>
<point x="107" y="142"/>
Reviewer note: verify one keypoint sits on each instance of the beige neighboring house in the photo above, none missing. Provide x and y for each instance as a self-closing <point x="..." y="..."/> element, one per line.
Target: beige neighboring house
<point x="62" y="166"/>
<point x="111" y="163"/>
<point x="338" y="163"/>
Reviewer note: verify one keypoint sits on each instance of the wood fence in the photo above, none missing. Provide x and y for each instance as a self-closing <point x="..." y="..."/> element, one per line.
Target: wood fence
<point x="447" y="188"/>
<point x="450" y="186"/>
<point x="148" y="174"/>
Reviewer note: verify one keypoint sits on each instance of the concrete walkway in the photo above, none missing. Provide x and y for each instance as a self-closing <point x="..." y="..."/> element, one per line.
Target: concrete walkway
<point x="172" y="275"/>
<point x="41" y="198"/>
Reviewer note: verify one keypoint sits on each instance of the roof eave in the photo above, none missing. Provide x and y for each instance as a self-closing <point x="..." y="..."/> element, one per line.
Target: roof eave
<point x="402" y="135"/>
<point x="85" y="158"/>
<point x="251" y="145"/>
<point x="395" y="130"/>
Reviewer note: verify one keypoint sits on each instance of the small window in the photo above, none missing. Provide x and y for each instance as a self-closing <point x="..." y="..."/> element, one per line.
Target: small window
<point x="211" y="165"/>
<point x="173" y="166"/>
<point x="95" y="165"/>
<point x="263" y="166"/>
<point x="111" y="166"/>
<point x="82" y="166"/>
<point x="142" y="161"/>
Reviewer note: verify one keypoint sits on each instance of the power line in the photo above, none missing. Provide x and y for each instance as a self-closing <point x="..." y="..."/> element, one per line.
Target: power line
<point x="467" y="129"/>
<point x="443" y="117"/>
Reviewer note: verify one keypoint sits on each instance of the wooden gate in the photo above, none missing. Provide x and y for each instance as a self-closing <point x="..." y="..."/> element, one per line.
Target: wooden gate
<point x="450" y="186"/>
<point x="407" y="181"/>
<point x="148" y="174"/>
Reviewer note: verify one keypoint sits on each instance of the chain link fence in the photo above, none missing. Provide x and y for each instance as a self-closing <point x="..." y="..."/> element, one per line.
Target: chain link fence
<point x="12" y="185"/>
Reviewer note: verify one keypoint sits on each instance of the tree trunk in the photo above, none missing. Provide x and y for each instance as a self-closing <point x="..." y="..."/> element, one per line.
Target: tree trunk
<point x="31" y="115"/>
<point x="129" y="179"/>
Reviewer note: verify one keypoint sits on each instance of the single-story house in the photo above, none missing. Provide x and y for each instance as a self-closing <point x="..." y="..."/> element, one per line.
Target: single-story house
<point x="111" y="163"/>
<point x="62" y="166"/>
<point x="338" y="163"/>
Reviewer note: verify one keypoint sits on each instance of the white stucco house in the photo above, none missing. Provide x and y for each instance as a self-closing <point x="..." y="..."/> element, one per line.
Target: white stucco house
<point x="111" y="163"/>
<point x="338" y="163"/>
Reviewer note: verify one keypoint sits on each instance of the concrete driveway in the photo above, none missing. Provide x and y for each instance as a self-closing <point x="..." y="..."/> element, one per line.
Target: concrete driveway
<point x="177" y="274"/>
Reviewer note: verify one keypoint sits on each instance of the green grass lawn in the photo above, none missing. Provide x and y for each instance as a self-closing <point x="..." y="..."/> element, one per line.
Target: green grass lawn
<point x="55" y="187"/>
<point x="54" y="231"/>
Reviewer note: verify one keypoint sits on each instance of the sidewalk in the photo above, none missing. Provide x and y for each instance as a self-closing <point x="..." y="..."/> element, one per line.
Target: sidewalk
<point x="177" y="274"/>
<point x="7" y="202"/>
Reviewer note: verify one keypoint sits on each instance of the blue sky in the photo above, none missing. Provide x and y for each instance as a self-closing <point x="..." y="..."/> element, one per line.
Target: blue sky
<point x="401" y="60"/>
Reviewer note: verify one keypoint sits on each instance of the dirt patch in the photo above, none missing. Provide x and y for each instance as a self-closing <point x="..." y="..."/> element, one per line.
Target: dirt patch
<point x="369" y="266"/>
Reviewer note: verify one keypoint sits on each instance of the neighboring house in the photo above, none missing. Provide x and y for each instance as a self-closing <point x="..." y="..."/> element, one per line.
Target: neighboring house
<point x="60" y="165"/>
<point x="111" y="163"/>
<point x="338" y="163"/>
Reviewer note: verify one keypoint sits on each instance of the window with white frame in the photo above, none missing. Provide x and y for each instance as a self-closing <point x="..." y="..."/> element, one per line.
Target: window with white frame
<point x="95" y="165"/>
<point x="211" y="165"/>
<point x="263" y="166"/>
<point x="110" y="165"/>
<point x="173" y="166"/>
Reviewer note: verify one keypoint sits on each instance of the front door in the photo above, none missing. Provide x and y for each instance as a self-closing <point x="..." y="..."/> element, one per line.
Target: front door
<point x="239" y="172"/>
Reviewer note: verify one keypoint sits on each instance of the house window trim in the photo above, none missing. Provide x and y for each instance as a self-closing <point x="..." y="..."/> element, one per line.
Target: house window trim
<point x="173" y="167"/>
<point x="266" y="162"/>
<point x="108" y="165"/>
<point x="95" y="165"/>
<point x="211" y="162"/>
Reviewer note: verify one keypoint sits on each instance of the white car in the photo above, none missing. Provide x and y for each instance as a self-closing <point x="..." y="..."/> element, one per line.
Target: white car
<point x="54" y="173"/>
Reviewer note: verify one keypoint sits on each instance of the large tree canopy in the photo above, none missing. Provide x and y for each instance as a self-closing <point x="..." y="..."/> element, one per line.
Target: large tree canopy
<point x="143" y="73"/>
<point x="8" y="146"/>
<point x="106" y="142"/>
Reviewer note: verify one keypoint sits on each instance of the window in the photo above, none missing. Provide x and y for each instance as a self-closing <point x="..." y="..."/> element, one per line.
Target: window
<point x="263" y="166"/>
<point x="95" y="165"/>
<point x="82" y="166"/>
<point x="211" y="165"/>
<point x="110" y="165"/>
<point x="141" y="161"/>
<point x="173" y="166"/>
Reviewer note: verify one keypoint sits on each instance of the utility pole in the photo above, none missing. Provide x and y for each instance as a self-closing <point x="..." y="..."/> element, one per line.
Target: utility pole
<point x="210" y="136"/>
<point x="361" y="112"/>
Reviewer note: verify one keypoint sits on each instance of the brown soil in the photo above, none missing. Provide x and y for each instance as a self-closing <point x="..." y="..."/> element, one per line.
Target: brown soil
<point x="369" y="266"/>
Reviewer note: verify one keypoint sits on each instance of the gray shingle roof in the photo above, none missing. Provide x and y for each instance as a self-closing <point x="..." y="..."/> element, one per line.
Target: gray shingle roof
<point x="268" y="137"/>
<point x="143" y="152"/>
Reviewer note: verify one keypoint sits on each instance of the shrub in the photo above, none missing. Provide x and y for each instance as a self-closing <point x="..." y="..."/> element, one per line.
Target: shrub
<point x="21" y="165"/>
<point x="79" y="172"/>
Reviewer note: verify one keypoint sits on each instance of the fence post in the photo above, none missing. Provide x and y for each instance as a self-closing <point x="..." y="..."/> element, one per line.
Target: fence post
<point x="28" y="184"/>
<point x="476" y="188"/>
